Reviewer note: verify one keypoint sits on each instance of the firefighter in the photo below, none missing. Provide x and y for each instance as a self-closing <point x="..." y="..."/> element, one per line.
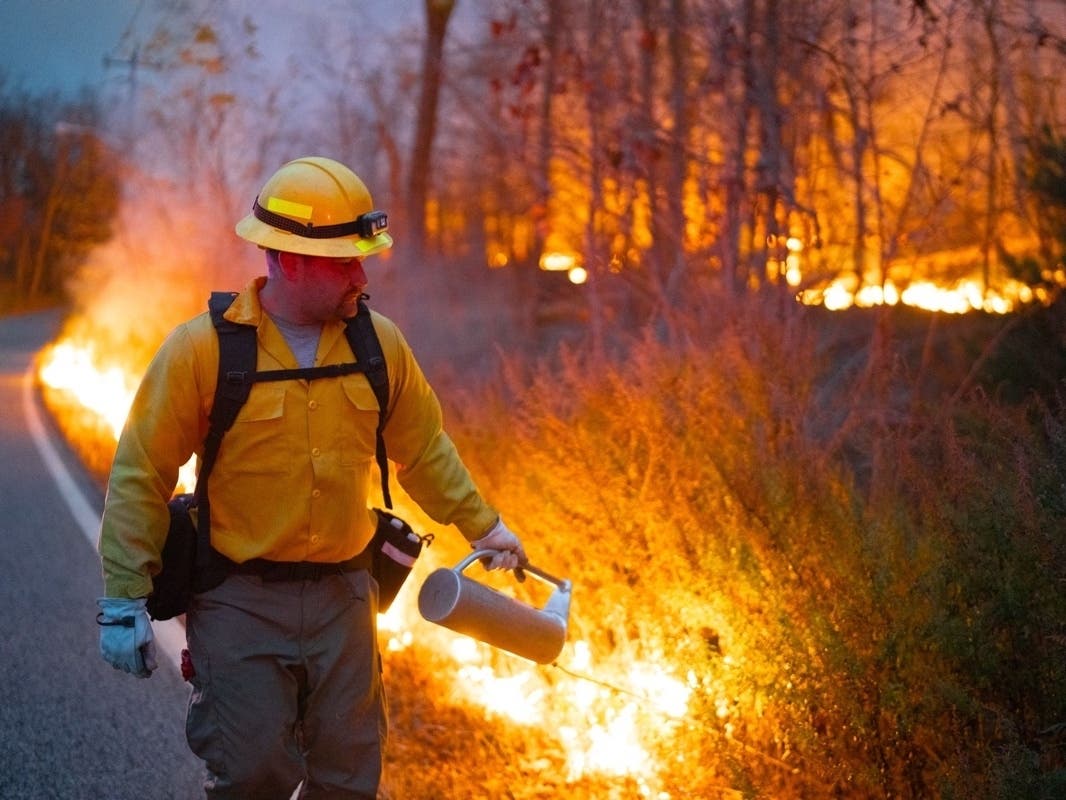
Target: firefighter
<point x="287" y="684"/>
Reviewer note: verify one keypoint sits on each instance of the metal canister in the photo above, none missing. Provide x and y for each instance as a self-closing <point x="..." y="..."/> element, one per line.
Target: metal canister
<point x="456" y="601"/>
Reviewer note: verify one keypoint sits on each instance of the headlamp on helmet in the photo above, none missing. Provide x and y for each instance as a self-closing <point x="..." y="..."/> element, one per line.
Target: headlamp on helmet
<point x="372" y="223"/>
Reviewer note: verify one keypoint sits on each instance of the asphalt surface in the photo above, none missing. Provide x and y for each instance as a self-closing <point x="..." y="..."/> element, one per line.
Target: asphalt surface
<point x="71" y="727"/>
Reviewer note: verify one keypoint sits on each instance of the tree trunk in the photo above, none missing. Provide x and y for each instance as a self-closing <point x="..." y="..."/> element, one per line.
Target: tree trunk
<point x="990" y="235"/>
<point x="594" y="105"/>
<point x="734" y="169"/>
<point x="48" y="216"/>
<point x="677" y="160"/>
<point x="666" y="259"/>
<point x="438" y="13"/>
<point x="533" y="283"/>
<point x="648" y="133"/>
<point x="770" y="165"/>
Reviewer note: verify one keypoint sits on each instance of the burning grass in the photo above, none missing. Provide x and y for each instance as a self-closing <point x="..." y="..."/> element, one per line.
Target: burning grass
<point x="789" y="580"/>
<point x="462" y="715"/>
<point x="828" y="563"/>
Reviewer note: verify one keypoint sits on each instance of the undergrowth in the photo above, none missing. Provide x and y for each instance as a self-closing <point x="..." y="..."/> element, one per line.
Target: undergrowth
<point x="868" y="590"/>
<point x="849" y="548"/>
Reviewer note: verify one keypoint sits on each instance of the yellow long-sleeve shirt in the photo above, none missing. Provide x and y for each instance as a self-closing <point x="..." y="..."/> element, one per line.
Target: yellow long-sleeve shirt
<point x="293" y="473"/>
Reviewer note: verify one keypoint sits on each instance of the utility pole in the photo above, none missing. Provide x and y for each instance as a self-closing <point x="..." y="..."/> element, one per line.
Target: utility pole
<point x="133" y="63"/>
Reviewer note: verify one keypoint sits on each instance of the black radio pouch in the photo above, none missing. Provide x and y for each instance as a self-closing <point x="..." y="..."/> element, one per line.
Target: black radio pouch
<point x="395" y="548"/>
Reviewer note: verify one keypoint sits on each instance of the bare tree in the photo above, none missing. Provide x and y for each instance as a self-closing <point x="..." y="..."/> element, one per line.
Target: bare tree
<point x="58" y="191"/>
<point x="438" y="13"/>
<point x="664" y="128"/>
<point x="696" y="136"/>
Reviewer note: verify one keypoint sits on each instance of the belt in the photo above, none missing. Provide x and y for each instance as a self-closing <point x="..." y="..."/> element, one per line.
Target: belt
<point x="277" y="571"/>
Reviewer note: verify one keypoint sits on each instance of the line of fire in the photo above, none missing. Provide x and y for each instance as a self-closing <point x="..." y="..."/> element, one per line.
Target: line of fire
<point x="749" y="311"/>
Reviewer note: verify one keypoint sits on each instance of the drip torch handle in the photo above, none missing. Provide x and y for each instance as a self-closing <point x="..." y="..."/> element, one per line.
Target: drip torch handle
<point x="562" y="583"/>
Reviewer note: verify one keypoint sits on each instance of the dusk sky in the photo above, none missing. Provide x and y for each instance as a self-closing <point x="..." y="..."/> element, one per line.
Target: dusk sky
<point x="61" y="44"/>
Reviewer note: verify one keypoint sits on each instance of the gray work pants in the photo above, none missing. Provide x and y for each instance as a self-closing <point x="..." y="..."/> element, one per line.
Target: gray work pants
<point x="287" y="688"/>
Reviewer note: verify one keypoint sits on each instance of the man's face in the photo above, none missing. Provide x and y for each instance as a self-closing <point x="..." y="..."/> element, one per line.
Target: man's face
<point x="327" y="288"/>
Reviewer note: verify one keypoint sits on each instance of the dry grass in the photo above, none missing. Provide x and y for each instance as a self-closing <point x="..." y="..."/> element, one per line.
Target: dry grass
<point x="861" y="589"/>
<point x="867" y="588"/>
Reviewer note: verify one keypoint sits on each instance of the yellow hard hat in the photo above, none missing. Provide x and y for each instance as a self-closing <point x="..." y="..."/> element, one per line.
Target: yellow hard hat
<point x="318" y="207"/>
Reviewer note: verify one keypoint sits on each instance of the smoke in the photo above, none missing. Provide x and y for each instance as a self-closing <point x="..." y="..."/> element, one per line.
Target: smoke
<point x="220" y="102"/>
<point x="165" y="258"/>
<point x="226" y="93"/>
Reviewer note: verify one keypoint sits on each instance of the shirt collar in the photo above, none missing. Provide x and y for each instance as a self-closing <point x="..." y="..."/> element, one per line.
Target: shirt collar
<point x="246" y="309"/>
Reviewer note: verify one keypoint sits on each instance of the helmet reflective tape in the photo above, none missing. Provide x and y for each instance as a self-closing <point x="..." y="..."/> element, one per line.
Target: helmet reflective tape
<point x="280" y="205"/>
<point x="365" y="225"/>
<point x="368" y="246"/>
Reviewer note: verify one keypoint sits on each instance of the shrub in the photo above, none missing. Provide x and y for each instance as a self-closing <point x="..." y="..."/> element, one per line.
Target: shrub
<point x="871" y="637"/>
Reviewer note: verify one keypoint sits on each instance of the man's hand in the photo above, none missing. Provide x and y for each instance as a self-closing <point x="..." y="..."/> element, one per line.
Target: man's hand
<point x="126" y="640"/>
<point x="500" y="538"/>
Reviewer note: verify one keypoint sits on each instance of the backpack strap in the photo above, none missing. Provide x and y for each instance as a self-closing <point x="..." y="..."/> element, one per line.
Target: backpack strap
<point x="237" y="361"/>
<point x="237" y="355"/>
<point x="366" y="346"/>
<point x="236" y="374"/>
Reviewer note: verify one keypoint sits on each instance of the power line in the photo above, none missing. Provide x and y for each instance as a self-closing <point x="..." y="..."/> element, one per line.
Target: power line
<point x="135" y="60"/>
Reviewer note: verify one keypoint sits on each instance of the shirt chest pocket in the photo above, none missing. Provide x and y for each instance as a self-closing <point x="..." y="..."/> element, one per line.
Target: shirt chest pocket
<point x="358" y="420"/>
<point x="258" y="442"/>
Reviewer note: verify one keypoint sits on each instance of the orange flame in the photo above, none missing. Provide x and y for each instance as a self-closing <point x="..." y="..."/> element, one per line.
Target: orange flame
<point x="603" y="719"/>
<point x="107" y="392"/>
<point x="963" y="296"/>
<point x="955" y="296"/>
<point x="73" y="367"/>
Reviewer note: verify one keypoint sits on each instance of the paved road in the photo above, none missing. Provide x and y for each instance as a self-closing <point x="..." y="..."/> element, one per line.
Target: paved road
<point x="71" y="727"/>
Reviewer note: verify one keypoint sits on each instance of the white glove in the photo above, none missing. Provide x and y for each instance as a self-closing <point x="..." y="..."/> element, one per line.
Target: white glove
<point x="510" y="553"/>
<point x="126" y="640"/>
